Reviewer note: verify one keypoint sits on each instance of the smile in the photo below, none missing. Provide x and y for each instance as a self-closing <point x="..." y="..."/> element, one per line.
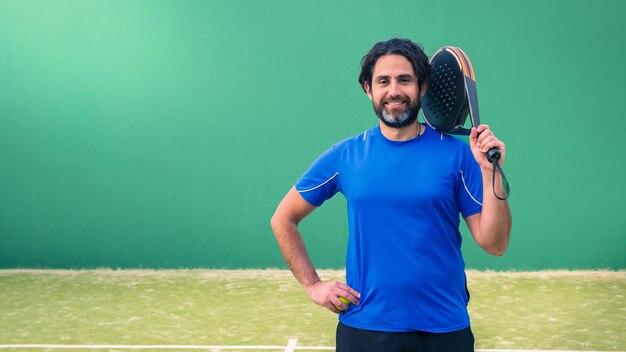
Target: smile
<point x="395" y="104"/>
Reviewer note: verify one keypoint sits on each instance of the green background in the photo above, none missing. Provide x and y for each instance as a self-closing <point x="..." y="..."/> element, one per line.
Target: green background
<point x="164" y="133"/>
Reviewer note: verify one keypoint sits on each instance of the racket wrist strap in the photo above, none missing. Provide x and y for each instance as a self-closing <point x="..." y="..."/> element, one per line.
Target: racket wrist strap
<point x="505" y="182"/>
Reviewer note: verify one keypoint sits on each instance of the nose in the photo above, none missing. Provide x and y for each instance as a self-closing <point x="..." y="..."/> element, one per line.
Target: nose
<point x="394" y="89"/>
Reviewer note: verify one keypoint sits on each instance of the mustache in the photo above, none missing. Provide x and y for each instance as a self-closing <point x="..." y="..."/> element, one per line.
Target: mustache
<point x="397" y="99"/>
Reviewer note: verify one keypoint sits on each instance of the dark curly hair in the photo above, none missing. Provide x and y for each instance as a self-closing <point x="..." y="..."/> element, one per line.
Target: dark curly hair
<point x="396" y="46"/>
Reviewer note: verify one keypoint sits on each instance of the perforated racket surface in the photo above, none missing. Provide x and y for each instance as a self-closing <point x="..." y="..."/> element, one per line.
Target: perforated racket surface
<point x="445" y="105"/>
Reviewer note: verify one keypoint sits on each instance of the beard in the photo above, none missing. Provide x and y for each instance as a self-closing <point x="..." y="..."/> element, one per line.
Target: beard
<point x="398" y="119"/>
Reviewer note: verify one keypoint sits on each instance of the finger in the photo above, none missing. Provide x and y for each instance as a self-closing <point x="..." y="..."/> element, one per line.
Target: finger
<point x="355" y="293"/>
<point x="473" y="137"/>
<point x="488" y="141"/>
<point x="341" y="305"/>
<point x="492" y="143"/>
<point x="334" y="309"/>
<point x="350" y="294"/>
<point x="349" y="289"/>
<point x="346" y="299"/>
<point x="485" y="134"/>
<point x="342" y="296"/>
<point x="481" y="128"/>
<point x="484" y="140"/>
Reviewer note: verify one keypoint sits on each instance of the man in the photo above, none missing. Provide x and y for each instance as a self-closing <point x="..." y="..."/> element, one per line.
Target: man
<point x="405" y="185"/>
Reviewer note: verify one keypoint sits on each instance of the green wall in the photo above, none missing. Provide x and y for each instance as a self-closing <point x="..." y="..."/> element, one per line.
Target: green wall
<point x="164" y="133"/>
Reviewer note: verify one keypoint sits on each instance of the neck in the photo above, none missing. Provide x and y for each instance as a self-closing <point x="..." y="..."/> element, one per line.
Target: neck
<point x="401" y="134"/>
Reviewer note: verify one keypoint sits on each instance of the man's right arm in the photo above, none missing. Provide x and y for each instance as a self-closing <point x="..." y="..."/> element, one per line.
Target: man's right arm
<point x="291" y="210"/>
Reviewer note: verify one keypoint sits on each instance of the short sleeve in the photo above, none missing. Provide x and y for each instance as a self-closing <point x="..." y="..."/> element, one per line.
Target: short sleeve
<point x="321" y="181"/>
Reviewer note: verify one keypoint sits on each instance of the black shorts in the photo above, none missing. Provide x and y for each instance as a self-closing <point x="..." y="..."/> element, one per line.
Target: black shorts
<point x="350" y="339"/>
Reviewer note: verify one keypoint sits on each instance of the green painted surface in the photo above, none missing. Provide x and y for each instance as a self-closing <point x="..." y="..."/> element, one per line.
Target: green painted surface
<point x="164" y="133"/>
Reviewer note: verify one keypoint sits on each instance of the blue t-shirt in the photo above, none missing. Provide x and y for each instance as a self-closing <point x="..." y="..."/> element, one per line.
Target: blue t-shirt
<point x="404" y="247"/>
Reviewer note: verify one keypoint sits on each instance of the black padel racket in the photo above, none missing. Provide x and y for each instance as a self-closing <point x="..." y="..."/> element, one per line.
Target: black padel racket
<point x="451" y="96"/>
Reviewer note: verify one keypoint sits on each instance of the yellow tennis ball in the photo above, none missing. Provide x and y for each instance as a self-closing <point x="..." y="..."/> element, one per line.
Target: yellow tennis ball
<point x="344" y="300"/>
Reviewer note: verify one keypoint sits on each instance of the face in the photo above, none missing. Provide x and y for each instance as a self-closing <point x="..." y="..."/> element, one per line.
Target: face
<point x="395" y="92"/>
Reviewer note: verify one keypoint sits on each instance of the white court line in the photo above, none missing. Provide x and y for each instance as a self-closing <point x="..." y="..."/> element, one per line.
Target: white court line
<point x="291" y="347"/>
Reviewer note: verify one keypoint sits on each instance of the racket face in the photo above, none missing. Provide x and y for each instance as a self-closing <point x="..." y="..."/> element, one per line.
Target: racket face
<point x="445" y="104"/>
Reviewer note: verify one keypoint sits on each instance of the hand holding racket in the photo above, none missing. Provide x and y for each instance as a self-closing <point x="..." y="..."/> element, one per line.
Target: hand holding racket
<point x="450" y="96"/>
<point x="483" y="142"/>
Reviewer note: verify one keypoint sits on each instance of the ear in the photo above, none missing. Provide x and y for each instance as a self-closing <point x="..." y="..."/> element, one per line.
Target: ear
<point x="367" y="89"/>
<point x="423" y="89"/>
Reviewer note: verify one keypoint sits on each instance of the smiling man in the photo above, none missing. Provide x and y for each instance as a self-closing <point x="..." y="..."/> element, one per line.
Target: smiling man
<point x="397" y="94"/>
<point x="406" y="186"/>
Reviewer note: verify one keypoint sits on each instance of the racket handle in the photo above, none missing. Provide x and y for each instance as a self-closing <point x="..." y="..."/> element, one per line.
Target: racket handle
<point x="493" y="154"/>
